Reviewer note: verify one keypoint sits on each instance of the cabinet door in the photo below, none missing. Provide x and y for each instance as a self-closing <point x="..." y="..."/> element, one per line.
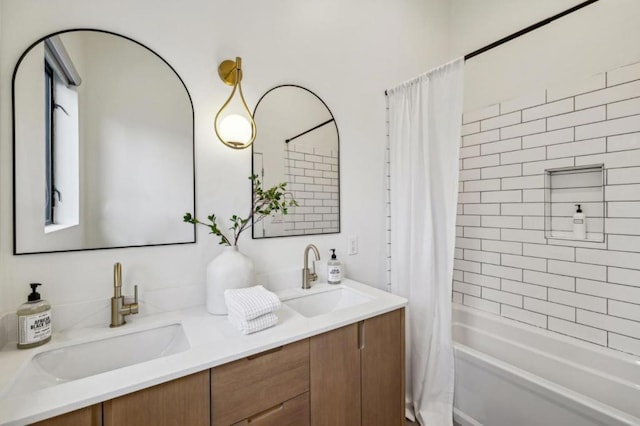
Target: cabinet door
<point x="183" y="401"/>
<point x="335" y="377"/>
<point x="88" y="416"/>
<point x="382" y="358"/>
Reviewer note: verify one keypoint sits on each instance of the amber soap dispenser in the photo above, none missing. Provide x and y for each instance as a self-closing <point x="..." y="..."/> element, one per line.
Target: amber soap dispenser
<point x="34" y="320"/>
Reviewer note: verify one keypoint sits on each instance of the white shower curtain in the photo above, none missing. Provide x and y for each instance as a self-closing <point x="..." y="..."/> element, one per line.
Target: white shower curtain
<point x="425" y="118"/>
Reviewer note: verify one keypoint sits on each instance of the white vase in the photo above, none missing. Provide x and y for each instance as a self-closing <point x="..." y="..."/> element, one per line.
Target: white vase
<point x="230" y="269"/>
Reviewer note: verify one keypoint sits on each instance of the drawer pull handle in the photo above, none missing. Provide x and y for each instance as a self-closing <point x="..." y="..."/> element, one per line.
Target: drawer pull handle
<point x="361" y="335"/>
<point x="270" y="351"/>
<point x="265" y="413"/>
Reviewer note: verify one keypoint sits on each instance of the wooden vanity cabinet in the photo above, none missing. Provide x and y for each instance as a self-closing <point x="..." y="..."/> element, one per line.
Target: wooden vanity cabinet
<point x="269" y="388"/>
<point x="357" y="373"/>
<point x="184" y="401"/>
<point x="88" y="416"/>
<point x="350" y="376"/>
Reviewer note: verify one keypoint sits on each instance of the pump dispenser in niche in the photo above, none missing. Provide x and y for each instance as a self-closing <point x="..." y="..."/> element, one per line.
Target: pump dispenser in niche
<point x="34" y="320"/>
<point x="579" y="224"/>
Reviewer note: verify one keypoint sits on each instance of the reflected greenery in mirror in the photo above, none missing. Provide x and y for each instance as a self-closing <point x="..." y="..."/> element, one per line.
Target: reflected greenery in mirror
<point x="103" y="146"/>
<point x="265" y="202"/>
<point x="298" y="143"/>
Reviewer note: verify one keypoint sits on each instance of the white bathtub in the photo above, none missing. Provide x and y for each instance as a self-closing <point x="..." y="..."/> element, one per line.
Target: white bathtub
<point x="513" y="374"/>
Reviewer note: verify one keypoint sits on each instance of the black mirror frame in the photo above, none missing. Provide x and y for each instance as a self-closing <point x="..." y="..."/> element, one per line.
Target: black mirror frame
<point x="13" y="146"/>
<point x="253" y="171"/>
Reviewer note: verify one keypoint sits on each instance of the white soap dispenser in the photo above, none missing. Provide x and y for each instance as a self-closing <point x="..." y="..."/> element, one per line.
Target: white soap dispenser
<point x="34" y="320"/>
<point x="579" y="224"/>
<point x="334" y="269"/>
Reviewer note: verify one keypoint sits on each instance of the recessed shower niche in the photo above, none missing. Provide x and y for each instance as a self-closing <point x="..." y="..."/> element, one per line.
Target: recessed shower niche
<point x="567" y="187"/>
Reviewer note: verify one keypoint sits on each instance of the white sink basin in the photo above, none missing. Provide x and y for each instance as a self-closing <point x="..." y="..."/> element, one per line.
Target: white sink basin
<point x="323" y="302"/>
<point x="74" y="362"/>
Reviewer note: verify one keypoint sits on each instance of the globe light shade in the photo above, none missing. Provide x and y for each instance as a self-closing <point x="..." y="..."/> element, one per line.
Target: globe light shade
<point x="235" y="128"/>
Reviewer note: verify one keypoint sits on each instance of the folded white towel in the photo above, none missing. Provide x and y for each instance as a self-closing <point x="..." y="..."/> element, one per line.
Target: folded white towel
<point x="254" y="325"/>
<point x="250" y="303"/>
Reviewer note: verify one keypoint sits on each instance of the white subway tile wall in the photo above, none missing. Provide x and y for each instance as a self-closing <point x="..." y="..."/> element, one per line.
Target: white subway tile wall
<point x="505" y="265"/>
<point x="312" y="178"/>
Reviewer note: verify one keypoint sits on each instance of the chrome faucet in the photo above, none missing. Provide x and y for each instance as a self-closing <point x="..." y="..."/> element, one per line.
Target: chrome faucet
<point x="307" y="276"/>
<point x="118" y="308"/>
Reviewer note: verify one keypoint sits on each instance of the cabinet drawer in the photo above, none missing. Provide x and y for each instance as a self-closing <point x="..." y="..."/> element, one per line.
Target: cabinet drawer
<point x="254" y="384"/>
<point x="294" y="412"/>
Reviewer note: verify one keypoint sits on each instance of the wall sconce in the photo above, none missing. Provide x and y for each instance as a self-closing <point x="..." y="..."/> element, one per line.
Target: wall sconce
<point x="237" y="131"/>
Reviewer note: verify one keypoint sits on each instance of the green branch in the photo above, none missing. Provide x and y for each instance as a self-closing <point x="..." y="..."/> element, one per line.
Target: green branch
<point x="264" y="203"/>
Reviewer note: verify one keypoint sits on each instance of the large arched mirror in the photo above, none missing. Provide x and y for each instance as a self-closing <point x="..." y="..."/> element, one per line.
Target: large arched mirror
<point x="297" y="142"/>
<point x="103" y="146"/>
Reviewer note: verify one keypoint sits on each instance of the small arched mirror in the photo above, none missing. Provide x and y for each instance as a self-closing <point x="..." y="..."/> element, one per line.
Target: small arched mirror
<point x="297" y="143"/>
<point x="103" y="146"/>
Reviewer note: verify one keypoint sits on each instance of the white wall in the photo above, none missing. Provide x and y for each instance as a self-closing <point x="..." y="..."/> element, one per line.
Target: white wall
<point x="348" y="51"/>
<point x="597" y="38"/>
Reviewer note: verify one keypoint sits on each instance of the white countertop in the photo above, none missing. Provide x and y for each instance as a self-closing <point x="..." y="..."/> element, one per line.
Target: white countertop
<point x="213" y="340"/>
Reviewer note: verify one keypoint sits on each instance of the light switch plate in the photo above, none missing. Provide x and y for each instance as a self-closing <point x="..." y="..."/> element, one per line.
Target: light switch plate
<point x="352" y="245"/>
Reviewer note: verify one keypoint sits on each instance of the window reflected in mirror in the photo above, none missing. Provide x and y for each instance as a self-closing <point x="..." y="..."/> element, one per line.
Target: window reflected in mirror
<point x="62" y="144"/>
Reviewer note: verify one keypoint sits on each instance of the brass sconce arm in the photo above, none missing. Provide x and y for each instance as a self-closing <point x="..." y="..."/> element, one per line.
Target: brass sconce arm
<point x="230" y="73"/>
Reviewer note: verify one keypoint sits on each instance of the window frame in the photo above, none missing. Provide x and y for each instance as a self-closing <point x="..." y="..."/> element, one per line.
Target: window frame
<point x="49" y="144"/>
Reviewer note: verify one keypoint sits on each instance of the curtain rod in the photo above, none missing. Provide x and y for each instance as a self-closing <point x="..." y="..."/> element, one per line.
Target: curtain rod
<point x="526" y="30"/>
